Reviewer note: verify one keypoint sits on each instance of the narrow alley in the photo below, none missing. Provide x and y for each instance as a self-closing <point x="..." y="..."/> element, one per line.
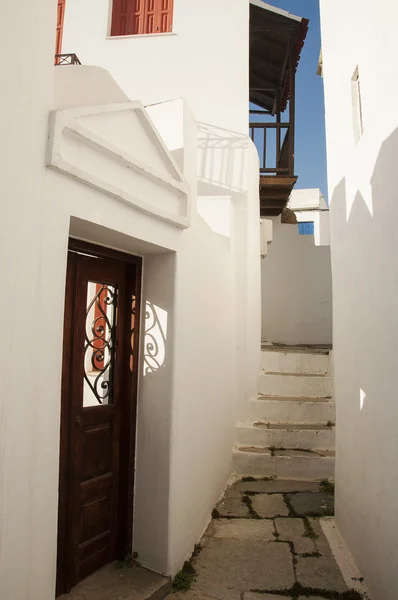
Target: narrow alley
<point x="267" y="541"/>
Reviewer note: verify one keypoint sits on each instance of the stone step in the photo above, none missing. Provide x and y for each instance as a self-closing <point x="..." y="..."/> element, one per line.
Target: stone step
<point x="110" y="583"/>
<point x="292" y="410"/>
<point x="287" y="435"/>
<point x="306" y="386"/>
<point x="284" y="360"/>
<point x="257" y="461"/>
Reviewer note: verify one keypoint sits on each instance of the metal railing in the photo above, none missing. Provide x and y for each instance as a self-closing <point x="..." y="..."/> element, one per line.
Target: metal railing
<point x="275" y="151"/>
<point x="66" y="59"/>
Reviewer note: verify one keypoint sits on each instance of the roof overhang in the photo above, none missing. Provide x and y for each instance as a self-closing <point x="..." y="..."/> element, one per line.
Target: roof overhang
<point x="272" y="32"/>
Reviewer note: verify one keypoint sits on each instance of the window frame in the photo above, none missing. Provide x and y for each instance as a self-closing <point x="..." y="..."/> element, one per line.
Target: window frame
<point x="130" y="12"/>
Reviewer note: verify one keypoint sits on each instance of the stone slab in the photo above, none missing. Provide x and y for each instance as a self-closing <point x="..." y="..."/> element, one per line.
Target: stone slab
<point x="292" y="530"/>
<point x="268" y="506"/>
<point x="273" y="486"/>
<point x="227" y="567"/>
<point x="232" y="507"/>
<point x="318" y="503"/>
<point x="253" y="596"/>
<point x="312" y="598"/>
<point x="111" y="583"/>
<point x="321" y="542"/>
<point x="244" y="529"/>
<point x="320" y="573"/>
<point x="188" y="596"/>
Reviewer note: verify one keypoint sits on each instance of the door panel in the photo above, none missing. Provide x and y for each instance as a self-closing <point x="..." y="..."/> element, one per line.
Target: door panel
<point x="99" y="386"/>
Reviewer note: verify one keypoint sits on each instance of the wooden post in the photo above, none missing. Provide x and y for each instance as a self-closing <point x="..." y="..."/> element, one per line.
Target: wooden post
<point x="278" y="135"/>
<point x="292" y="98"/>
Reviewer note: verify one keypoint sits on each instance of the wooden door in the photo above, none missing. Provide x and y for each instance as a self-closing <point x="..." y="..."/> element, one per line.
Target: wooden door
<point x="60" y="26"/>
<point x="97" y="415"/>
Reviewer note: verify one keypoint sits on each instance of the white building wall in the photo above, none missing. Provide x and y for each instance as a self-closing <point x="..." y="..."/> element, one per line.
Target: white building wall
<point x="364" y="214"/>
<point x="204" y="60"/>
<point x="204" y="279"/>
<point x="296" y="290"/>
<point x="32" y="321"/>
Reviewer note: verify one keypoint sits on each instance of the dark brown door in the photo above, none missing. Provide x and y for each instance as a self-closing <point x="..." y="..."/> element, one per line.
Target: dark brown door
<point x="97" y="415"/>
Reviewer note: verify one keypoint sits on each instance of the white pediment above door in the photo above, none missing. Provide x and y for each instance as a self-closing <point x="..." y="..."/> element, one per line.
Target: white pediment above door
<point x="116" y="149"/>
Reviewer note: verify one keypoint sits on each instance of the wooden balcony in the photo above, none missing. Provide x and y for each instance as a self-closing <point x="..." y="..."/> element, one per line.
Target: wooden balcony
<point x="276" y="40"/>
<point x="274" y="144"/>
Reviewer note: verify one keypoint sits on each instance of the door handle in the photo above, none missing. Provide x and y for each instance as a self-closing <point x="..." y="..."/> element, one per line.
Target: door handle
<point x="79" y="421"/>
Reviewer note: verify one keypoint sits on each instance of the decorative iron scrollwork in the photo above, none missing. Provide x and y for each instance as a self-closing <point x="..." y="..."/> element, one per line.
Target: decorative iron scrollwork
<point x="155" y="340"/>
<point x="99" y="345"/>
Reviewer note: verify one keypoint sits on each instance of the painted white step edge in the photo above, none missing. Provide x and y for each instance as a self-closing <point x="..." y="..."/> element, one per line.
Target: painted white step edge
<point x="250" y="435"/>
<point x="292" y="411"/>
<point x="295" y="385"/>
<point x="294" y="362"/>
<point x="265" y="465"/>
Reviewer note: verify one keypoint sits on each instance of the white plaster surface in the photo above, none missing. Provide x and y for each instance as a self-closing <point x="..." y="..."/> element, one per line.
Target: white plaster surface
<point x="307" y="199"/>
<point x="205" y="284"/>
<point x="205" y="60"/>
<point x="296" y="285"/>
<point x="363" y="182"/>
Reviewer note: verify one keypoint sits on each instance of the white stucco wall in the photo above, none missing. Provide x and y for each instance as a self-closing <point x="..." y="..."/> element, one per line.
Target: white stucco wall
<point x="206" y="281"/>
<point x="204" y="60"/>
<point x="29" y="377"/>
<point x="296" y="283"/>
<point x="363" y="186"/>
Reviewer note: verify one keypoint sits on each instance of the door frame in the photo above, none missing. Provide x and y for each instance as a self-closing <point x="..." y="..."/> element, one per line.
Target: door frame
<point x="126" y="504"/>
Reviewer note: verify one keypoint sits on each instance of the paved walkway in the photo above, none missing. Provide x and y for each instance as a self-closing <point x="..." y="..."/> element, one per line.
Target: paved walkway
<point x="266" y="542"/>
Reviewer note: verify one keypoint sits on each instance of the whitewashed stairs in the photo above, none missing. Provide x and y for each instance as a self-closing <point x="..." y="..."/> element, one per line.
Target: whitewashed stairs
<point x="291" y="428"/>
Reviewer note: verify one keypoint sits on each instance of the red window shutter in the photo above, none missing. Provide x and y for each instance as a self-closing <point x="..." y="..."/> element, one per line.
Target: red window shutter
<point x="150" y="17"/>
<point x="60" y="26"/>
<point x="138" y="22"/>
<point x="122" y="17"/>
<point x="165" y="15"/>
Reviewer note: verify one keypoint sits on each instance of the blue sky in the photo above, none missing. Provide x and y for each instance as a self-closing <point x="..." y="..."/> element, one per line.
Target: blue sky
<point x="310" y="160"/>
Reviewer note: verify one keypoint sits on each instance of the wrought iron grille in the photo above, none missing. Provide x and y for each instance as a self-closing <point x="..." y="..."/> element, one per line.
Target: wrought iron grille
<point x="99" y="347"/>
<point x="66" y="59"/>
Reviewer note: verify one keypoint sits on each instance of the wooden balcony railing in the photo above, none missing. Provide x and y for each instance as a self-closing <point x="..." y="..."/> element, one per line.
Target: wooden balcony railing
<point x="66" y="59"/>
<point x="274" y="144"/>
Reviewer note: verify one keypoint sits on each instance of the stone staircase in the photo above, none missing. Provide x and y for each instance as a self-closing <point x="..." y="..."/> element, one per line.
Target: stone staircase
<point x="291" y="429"/>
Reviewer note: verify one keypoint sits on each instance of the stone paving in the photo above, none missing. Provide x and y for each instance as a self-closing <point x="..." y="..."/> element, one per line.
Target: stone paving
<point x="265" y="542"/>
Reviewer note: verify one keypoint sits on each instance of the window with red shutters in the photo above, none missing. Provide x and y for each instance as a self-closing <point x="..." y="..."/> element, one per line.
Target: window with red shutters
<point x="133" y="17"/>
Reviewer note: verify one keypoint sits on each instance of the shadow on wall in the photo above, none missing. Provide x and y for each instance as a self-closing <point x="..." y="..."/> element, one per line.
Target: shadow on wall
<point x="222" y="160"/>
<point x="365" y="301"/>
<point x="155" y="335"/>
<point x="151" y="522"/>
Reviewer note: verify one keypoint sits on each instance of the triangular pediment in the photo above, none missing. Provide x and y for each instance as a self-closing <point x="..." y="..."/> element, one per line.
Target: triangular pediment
<point x="117" y="149"/>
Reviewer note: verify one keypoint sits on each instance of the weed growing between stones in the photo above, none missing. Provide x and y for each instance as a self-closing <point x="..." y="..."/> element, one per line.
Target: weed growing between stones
<point x="185" y="578"/>
<point x="298" y="590"/>
<point x="128" y="562"/>
<point x="327" y="487"/>
<point x="292" y="512"/>
<point x="308" y="530"/>
<point x="252" y="513"/>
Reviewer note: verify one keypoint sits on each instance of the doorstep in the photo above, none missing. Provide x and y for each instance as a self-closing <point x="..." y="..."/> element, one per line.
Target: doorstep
<point x="111" y="583"/>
